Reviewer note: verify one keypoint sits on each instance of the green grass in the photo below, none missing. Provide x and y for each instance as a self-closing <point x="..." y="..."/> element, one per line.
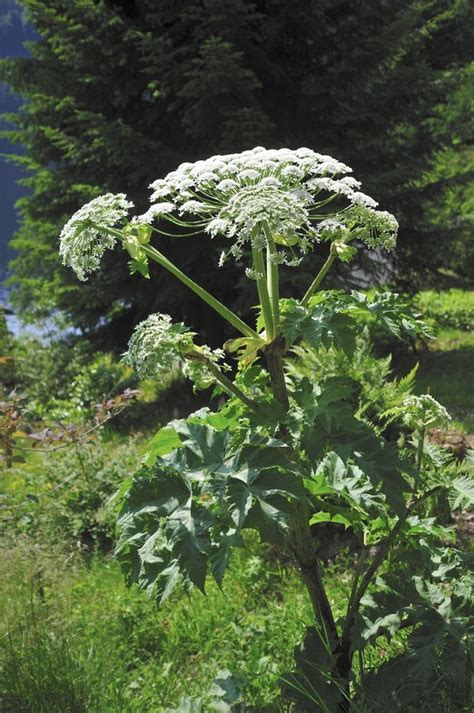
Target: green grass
<point x="448" y="309"/>
<point x="78" y="640"/>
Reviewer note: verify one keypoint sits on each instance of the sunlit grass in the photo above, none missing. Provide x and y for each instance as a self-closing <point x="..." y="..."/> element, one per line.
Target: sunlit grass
<point x="79" y="621"/>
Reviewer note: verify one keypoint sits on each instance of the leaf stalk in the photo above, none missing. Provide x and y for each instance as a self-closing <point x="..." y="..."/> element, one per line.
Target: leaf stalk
<point x="209" y="299"/>
<point x="264" y="297"/>
<point x="319" y="278"/>
<point x="273" y="279"/>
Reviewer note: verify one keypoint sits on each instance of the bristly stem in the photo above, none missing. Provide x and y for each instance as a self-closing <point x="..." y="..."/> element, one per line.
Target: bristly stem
<point x="229" y="386"/>
<point x="300" y="539"/>
<point x="272" y="279"/>
<point x="220" y="308"/>
<point x="346" y="631"/>
<point x="261" y="279"/>
<point x="419" y="451"/>
<point x="377" y="561"/>
<point x="319" y="278"/>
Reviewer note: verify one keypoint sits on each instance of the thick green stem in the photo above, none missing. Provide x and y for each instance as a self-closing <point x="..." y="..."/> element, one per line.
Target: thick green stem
<point x="259" y="268"/>
<point x="272" y="279"/>
<point x="220" y="308"/>
<point x="300" y="539"/>
<point x="319" y="278"/>
<point x="200" y="292"/>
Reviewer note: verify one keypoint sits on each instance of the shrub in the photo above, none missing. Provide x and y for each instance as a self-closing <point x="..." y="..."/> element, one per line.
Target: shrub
<point x="44" y="370"/>
<point x="64" y="381"/>
<point x="451" y="309"/>
<point x="62" y="496"/>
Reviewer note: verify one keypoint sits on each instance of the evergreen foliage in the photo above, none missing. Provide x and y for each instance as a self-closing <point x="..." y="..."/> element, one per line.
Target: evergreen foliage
<point x="118" y="93"/>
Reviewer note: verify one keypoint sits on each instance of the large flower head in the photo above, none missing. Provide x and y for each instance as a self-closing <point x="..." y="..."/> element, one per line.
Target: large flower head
<point x="84" y="238"/>
<point x="295" y="197"/>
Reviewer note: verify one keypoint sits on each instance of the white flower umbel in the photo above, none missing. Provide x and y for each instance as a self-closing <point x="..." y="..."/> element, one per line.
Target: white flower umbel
<point x="421" y="412"/>
<point x="82" y="243"/>
<point x="297" y="197"/>
<point x="156" y="344"/>
<point x="276" y="204"/>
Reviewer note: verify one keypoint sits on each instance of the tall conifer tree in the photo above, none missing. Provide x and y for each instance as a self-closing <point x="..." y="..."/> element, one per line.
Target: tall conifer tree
<point x="118" y="93"/>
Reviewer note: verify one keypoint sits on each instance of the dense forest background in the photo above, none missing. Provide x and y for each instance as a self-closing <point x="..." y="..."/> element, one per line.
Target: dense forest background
<point x="115" y="94"/>
<point x="14" y="31"/>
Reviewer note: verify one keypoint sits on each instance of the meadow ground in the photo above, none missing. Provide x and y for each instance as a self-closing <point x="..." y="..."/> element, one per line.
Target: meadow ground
<point x="76" y="639"/>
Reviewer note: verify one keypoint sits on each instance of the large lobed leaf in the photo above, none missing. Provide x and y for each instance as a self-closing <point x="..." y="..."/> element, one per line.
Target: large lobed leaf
<point x="436" y="607"/>
<point x="181" y="517"/>
<point x="441" y="620"/>
<point x="332" y="318"/>
<point x="323" y="422"/>
<point x="344" y="494"/>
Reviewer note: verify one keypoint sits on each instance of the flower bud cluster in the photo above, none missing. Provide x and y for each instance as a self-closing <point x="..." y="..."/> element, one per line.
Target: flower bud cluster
<point x="420" y="412"/>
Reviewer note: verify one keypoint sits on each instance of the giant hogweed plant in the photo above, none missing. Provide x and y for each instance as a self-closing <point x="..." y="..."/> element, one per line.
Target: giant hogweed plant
<point x="289" y="449"/>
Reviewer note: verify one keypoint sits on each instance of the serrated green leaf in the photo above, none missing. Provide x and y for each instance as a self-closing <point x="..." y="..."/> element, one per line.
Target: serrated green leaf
<point x="263" y="481"/>
<point x="336" y="514"/>
<point x="188" y="537"/>
<point x="184" y="514"/>
<point x="462" y="492"/>
<point x="392" y="312"/>
<point x="320" y="324"/>
<point x="140" y="264"/>
<point x="350" y="483"/>
<point x="406" y="383"/>
<point x="162" y="443"/>
<point x="441" y="620"/>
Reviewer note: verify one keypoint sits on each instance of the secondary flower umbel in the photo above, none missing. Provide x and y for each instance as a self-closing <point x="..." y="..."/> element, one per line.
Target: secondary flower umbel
<point x="157" y="344"/>
<point x="82" y="244"/>
<point x="420" y="412"/>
